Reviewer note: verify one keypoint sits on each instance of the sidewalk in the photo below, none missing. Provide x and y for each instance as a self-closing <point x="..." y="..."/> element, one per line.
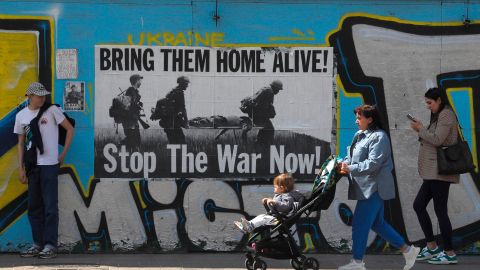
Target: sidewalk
<point x="215" y="261"/>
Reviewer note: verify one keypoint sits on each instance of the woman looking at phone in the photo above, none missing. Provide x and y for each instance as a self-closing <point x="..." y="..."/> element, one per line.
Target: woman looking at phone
<point x="442" y="130"/>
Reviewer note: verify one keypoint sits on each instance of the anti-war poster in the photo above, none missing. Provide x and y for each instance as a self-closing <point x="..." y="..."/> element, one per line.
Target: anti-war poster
<point x="211" y="112"/>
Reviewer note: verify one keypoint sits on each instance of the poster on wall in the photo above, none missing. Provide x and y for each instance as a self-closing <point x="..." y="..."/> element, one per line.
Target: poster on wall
<point x="201" y="112"/>
<point x="66" y="63"/>
<point x="74" y="96"/>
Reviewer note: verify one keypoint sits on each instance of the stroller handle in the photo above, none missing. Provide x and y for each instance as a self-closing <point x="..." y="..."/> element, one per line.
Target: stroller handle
<point x="273" y="212"/>
<point x="266" y="207"/>
<point x="270" y="211"/>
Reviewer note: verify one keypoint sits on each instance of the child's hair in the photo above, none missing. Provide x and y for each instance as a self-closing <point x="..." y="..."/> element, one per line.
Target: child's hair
<point x="284" y="180"/>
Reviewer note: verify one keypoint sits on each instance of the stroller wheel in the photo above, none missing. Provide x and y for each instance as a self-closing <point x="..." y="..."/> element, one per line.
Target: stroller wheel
<point x="310" y="263"/>
<point x="297" y="262"/>
<point x="249" y="263"/>
<point x="259" y="264"/>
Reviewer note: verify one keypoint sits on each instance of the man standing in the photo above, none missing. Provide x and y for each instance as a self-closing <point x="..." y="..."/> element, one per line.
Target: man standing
<point x="177" y="118"/>
<point x="263" y="110"/>
<point x="130" y="124"/>
<point x="40" y="137"/>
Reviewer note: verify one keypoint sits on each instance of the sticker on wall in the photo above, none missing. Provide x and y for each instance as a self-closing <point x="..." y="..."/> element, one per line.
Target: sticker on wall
<point x="66" y="63"/>
<point x="206" y="112"/>
<point x="74" y="96"/>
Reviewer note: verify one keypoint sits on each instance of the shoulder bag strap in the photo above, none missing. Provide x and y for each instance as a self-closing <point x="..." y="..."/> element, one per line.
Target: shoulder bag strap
<point x="459" y="128"/>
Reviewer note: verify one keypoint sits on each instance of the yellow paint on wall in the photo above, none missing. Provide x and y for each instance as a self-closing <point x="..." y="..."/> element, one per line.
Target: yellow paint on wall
<point x="10" y="186"/>
<point x="308" y="242"/>
<point x="18" y="67"/>
<point x="136" y="184"/>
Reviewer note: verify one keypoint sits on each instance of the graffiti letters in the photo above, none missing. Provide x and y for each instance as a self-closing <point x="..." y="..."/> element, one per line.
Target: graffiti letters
<point x="179" y="39"/>
<point x="391" y="64"/>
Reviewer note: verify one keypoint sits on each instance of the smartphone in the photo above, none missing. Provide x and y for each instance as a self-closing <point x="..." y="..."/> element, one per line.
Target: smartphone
<point x="409" y="116"/>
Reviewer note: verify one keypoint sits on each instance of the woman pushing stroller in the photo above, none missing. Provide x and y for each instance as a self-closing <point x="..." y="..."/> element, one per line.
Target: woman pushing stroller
<point x="369" y="166"/>
<point x="282" y="202"/>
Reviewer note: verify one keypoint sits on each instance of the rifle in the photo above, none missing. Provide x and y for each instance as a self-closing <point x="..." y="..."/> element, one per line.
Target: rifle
<point x="122" y="92"/>
<point x="142" y="122"/>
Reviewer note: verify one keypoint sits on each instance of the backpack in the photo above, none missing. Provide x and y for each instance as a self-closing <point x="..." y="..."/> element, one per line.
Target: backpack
<point x="250" y="103"/>
<point x="30" y="151"/>
<point x="120" y="108"/>
<point x="247" y="104"/>
<point x="164" y="112"/>
<point x="162" y="109"/>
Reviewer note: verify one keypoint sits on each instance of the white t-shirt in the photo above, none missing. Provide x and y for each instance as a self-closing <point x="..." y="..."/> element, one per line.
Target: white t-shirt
<point x="48" y="125"/>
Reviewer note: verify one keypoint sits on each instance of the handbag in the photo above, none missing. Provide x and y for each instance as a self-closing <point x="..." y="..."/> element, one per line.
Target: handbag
<point x="455" y="159"/>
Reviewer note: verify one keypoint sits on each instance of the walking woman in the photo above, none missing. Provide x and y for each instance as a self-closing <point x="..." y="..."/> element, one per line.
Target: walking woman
<point x="369" y="165"/>
<point x="442" y="130"/>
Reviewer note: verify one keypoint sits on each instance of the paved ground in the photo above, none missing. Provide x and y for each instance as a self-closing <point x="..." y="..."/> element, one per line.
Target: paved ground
<point x="207" y="261"/>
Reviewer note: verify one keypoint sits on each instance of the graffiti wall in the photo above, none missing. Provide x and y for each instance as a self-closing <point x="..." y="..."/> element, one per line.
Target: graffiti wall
<point x="226" y="96"/>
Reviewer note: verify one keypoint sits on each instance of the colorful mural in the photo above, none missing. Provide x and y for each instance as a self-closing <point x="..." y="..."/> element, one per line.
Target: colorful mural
<point x="383" y="54"/>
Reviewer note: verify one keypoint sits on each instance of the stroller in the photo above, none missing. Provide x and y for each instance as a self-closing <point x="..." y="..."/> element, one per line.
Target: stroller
<point x="276" y="241"/>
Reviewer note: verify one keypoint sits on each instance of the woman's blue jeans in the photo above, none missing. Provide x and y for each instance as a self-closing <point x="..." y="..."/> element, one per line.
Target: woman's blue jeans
<point x="369" y="215"/>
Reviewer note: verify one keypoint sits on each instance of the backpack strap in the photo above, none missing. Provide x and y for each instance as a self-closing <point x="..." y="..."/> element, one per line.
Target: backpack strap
<point x="34" y="125"/>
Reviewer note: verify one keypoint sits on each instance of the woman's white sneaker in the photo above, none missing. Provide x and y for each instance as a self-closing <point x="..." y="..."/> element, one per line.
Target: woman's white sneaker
<point x="410" y="257"/>
<point x="353" y="265"/>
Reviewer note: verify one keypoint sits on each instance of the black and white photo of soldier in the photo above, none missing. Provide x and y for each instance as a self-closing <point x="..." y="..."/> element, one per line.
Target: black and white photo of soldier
<point x="127" y="109"/>
<point x="260" y="109"/>
<point x="171" y="112"/>
<point x="74" y="96"/>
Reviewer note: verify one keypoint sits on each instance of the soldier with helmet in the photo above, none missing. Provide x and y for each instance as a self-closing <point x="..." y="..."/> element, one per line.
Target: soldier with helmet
<point x="262" y="110"/>
<point x="178" y="116"/>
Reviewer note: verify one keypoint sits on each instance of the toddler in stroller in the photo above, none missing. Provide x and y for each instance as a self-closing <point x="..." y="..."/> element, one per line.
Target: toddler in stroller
<point x="275" y="239"/>
<point x="284" y="202"/>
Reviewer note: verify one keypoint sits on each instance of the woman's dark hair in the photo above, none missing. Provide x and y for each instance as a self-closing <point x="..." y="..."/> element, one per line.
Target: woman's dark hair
<point x="370" y="111"/>
<point x="435" y="94"/>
